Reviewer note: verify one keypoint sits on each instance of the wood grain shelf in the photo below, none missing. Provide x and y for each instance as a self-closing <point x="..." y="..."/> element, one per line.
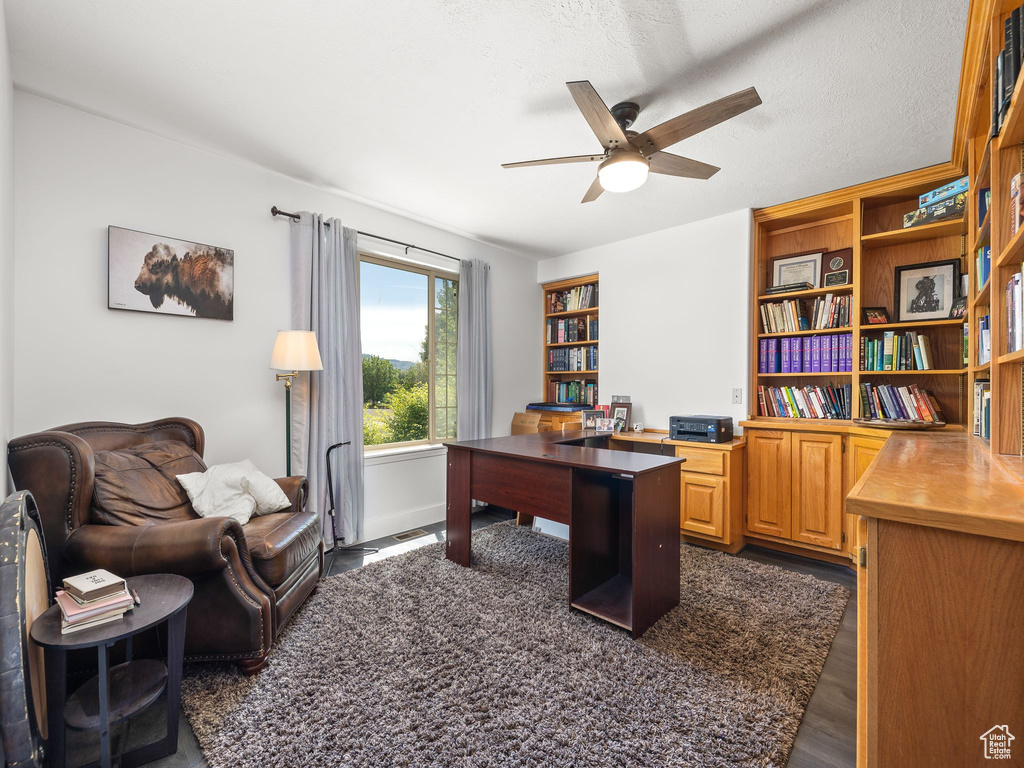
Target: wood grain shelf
<point x="983" y="295"/>
<point x="914" y="234"/>
<point x="812" y="332"/>
<point x="1013" y="252"/>
<point x="925" y="372"/>
<point x="573" y="344"/>
<point x="1011" y="357"/>
<point x="868" y="327"/>
<point x="574" y="312"/>
<point x="982" y="367"/>
<point x="836" y="290"/>
<point x="985" y="165"/>
<point x="832" y="374"/>
<point x="984" y="232"/>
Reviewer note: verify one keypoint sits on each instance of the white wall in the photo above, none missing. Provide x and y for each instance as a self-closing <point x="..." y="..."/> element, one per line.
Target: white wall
<point x="674" y="316"/>
<point x="6" y="250"/>
<point x="76" y="360"/>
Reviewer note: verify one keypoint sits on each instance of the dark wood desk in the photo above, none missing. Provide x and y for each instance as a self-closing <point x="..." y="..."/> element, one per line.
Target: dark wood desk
<point x="622" y="510"/>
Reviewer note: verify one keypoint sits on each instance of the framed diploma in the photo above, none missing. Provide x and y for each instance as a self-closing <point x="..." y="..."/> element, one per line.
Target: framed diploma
<point x="798" y="268"/>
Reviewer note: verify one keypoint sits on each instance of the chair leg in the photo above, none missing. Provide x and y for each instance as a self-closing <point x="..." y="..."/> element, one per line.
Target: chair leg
<point x="252" y="666"/>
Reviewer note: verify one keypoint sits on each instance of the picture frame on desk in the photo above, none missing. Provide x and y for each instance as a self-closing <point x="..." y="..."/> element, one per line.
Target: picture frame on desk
<point x="620" y="416"/>
<point x="797" y="268"/>
<point x="926" y="291"/>
<point x="959" y="309"/>
<point x="590" y="418"/>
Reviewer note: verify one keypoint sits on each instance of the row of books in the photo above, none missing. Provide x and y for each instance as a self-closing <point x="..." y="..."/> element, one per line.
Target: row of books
<point x="811" y="402"/>
<point x="580" y="297"/>
<point x="806" y="354"/>
<point x="984" y="339"/>
<point x="791" y="315"/>
<point x="93" y="598"/>
<point x="572" y="359"/>
<point x="982" y="425"/>
<point x="909" y="351"/>
<point x="576" y="391"/>
<point x="1007" y="68"/>
<point x="906" y="403"/>
<point x="983" y="265"/>
<point x="571" y="329"/>
<point x="1014" y="314"/>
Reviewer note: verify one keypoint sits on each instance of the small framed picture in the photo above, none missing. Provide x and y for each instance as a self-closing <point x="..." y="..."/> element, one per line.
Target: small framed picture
<point x="604" y="425"/>
<point x="926" y="291"/>
<point x="959" y="308"/>
<point x="590" y="418"/>
<point x="875" y="315"/>
<point x="620" y="416"/>
<point x="620" y="398"/>
<point x="798" y="268"/>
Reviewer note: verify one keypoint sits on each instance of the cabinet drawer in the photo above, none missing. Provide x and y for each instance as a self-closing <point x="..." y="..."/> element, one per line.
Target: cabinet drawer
<point x="707" y="461"/>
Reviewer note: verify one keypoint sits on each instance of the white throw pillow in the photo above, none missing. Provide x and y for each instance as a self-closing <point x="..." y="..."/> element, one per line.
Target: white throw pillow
<point x="237" y="490"/>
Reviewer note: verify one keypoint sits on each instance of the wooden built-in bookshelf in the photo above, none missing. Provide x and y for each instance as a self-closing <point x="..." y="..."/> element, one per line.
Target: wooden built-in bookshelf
<point x="869" y="220"/>
<point x="585" y="318"/>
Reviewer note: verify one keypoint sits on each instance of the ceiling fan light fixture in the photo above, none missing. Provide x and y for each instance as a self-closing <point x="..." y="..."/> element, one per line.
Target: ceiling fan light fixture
<point x="623" y="171"/>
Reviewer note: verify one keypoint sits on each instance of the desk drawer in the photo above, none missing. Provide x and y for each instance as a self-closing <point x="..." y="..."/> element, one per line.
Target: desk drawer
<point x="708" y="461"/>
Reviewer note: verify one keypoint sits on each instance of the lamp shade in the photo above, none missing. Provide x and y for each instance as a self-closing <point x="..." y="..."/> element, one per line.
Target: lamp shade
<point x="296" y="351"/>
<point x="623" y="171"/>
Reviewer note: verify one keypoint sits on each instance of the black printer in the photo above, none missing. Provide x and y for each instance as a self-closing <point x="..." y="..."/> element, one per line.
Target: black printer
<point x="700" y="429"/>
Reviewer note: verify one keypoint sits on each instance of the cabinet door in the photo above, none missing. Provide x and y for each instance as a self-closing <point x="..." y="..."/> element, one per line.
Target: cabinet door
<point x="818" y="489"/>
<point x="768" y="482"/>
<point x="702" y="505"/>
<point x="860" y="452"/>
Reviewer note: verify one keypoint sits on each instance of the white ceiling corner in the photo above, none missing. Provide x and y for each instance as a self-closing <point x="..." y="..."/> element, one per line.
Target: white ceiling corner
<point x="414" y="104"/>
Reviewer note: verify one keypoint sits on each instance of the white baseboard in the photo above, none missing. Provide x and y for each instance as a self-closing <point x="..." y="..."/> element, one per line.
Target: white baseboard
<point x="389" y="525"/>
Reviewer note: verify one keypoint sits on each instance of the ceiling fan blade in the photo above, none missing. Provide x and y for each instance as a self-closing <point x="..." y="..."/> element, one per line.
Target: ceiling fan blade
<point x="555" y="161"/>
<point x="693" y="122"/>
<point x="594" y="192"/>
<point x="608" y="132"/>
<point x="674" y="165"/>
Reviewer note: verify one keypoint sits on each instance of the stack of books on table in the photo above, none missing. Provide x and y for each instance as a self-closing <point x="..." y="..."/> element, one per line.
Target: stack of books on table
<point x="91" y="599"/>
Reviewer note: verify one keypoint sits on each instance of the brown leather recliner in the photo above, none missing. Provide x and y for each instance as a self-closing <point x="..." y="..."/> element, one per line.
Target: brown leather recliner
<point x="248" y="579"/>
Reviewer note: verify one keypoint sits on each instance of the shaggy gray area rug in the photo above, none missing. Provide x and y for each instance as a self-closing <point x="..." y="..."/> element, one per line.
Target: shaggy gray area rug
<point x="415" y="661"/>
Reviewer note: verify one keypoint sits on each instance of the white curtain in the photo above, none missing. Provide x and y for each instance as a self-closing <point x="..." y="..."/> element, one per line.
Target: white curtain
<point x="473" y="383"/>
<point x="327" y="406"/>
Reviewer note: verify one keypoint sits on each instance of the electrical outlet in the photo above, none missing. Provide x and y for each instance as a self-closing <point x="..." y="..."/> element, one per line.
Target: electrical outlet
<point x="737" y="396"/>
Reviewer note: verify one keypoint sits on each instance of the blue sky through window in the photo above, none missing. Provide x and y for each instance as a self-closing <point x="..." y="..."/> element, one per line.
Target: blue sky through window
<point x="393" y="309"/>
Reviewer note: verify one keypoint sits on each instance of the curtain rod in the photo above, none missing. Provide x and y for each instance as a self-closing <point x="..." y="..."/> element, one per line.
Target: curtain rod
<point x="275" y="211"/>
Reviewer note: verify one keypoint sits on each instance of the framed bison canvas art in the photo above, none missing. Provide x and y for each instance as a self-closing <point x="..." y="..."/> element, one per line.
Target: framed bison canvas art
<point x="150" y="273"/>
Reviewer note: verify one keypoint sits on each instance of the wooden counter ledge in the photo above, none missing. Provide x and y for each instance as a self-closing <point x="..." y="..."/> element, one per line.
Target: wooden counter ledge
<point x="943" y="480"/>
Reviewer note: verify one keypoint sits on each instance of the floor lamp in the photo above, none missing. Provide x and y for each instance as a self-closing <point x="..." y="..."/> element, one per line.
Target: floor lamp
<point x="294" y="351"/>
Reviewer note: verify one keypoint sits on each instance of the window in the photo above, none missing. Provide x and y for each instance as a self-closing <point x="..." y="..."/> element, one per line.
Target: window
<point x="409" y="320"/>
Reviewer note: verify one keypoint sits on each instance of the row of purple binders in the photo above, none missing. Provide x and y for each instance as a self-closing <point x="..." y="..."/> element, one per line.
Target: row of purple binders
<point x="806" y="354"/>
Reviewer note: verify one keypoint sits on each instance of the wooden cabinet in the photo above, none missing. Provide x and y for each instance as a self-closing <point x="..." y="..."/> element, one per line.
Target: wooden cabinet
<point x="860" y="452"/>
<point x="702" y="505"/>
<point x="795" y="488"/>
<point x="817" y="489"/>
<point x="769" y="501"/>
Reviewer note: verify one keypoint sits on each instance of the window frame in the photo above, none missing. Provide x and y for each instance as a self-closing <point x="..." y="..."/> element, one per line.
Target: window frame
<point x="431" y="274"/>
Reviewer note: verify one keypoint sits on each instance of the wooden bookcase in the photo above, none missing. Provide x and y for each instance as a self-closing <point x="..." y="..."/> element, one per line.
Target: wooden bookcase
<point x="868" y="219"/>
<point x="584" y="315"/>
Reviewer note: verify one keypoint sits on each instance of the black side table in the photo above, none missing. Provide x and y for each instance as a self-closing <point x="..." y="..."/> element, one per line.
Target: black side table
<point x="119" y="692"/>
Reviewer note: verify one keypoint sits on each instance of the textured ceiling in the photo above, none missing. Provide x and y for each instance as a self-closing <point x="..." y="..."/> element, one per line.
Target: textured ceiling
<point x="414" y="104"/>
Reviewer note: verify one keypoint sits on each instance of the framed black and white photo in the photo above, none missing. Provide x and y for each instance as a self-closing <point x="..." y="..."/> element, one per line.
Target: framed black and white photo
<point x="798" y="268"/>
<point x="926" y="291"/>
<point x="152" y="273"/>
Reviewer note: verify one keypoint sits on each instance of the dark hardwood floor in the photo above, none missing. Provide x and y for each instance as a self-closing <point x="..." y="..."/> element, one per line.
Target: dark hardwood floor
<point x="827" y="735"/>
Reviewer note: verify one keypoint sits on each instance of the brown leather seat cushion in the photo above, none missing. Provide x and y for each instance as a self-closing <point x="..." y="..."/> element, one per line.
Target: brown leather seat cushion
<point x="137" y="485"/>
<point x="280" y="541"/>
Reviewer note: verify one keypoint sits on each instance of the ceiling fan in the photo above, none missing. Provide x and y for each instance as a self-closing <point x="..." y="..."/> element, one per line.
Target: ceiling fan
<point x="628" y="156"/>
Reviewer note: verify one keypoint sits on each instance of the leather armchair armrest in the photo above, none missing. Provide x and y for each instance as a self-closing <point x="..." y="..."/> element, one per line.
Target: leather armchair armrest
<point x="187" y="548"/>
<point x="296" y="488"/>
